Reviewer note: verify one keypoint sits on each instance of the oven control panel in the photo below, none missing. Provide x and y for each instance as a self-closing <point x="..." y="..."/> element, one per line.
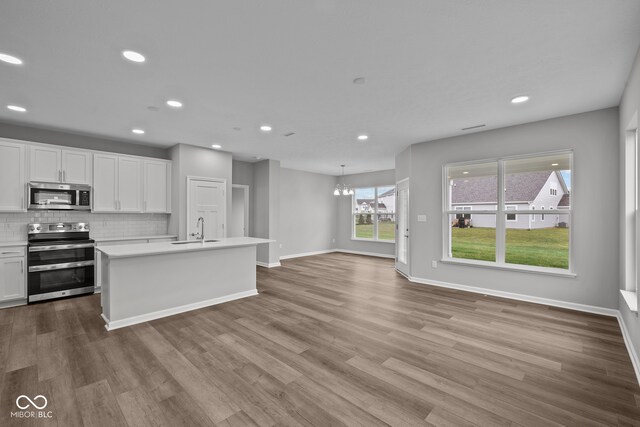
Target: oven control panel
<point x="58" y="227"/>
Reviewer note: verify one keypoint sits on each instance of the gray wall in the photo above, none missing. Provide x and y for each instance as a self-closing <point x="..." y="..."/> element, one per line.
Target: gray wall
<point x="69" y="139"/>
<point x="308" y="212"/>
<point x="344" y="241"/>
<point x="594" y="138"/>
<point x="265" y="208"/>
<point x="189" y="160"/>
<point x="242" y="173"/>
<point x="629" y="108"/>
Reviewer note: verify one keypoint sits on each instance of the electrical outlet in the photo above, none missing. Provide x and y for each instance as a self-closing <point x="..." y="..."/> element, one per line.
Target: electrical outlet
<point x="434" y="264"/>
<point x="422" y="218"/>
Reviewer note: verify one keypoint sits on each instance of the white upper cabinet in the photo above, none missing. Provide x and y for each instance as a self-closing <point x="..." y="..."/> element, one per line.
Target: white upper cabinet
<point x="117" y="186"/>
<point x="105" y="183"/>
<point x="129" y="184"/>
<point x="76" y="167"/>
<point x="50" y="164"/>
<point x="13" y="187"/>
<point x="157" y="186"/>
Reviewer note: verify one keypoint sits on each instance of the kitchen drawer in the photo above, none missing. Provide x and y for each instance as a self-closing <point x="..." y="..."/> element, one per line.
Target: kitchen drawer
<point x="12" y="251"/>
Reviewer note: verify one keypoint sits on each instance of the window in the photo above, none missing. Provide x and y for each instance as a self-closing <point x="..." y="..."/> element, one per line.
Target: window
<point x="374" y="213"/>
<point x="495" y="234"/>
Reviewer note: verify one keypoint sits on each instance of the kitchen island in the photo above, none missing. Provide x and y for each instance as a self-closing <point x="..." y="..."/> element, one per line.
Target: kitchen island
<point x="142" y="282"/>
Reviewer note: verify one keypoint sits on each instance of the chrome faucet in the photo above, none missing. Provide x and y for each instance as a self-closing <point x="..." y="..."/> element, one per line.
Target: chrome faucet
<point x="200" y="236"/>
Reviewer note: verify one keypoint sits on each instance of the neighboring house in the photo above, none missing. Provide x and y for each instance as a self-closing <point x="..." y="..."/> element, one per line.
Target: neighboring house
<point x="388" y="198"/>
<point x="524" y="192"/>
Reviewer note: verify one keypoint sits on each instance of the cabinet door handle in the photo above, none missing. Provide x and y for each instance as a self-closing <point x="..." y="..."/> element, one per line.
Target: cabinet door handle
<point x="21" y="266"/>
<point x="11" y="252"/>
<point x="59" y="175"/>
<point x="64" y="176"/>
<point x="145" y="205"/>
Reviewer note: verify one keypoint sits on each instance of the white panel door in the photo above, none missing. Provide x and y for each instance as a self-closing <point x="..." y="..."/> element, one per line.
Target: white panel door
<point x="76" y="167"/>
<point x="12" y="279"/>
<point x="206" y="200"/>
<point x="105" y="183"/>
<point x="129" y="184"/>
<point x="156" y="185"/>
<point x="45" y="164"/>
<point x="12" y="177"/>
<point x="402" y="231"/>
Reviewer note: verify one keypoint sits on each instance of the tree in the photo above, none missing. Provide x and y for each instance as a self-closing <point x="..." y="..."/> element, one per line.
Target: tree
<point x="368" y="220"/>
<point x="360" y="219"/>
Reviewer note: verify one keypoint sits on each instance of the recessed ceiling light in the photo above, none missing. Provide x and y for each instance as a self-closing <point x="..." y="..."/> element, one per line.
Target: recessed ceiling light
<point x="362" y="137"/>
<point x="133" y="56"/>
<point x="216" y="146"/>
<point x="554" y="164"/>
<point x="138" y="131"/>
<point x="359" y="81"/>
<point x="266" y="128"/>
<point x="258" y="158"/>
<point x="173" y="103"/>
<point x="17" y="108"/>
<point x="10" y="59"/>
<point x="520" y="99"/>
<point x="465" y="173"/>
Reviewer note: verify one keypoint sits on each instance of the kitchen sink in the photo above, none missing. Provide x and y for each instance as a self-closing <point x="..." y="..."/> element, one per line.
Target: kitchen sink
<point x="193" y="242"/>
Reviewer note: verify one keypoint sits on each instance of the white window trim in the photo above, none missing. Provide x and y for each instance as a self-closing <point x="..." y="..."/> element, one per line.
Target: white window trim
<point x="500" y="214"/>
<point x="515" y="208"/>
<point x="374" y="216"/>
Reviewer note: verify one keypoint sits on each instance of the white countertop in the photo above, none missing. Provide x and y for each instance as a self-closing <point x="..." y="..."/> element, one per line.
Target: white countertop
<point x="145" y="249"/>
<point x="18" y="243"/>
<point x="123" y="239"/>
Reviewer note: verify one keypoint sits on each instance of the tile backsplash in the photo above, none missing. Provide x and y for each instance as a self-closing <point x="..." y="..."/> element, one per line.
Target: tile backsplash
<point x="13" y="226"/>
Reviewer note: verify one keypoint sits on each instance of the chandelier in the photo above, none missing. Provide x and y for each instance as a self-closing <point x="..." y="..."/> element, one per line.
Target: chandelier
<point x="343" y="189"/>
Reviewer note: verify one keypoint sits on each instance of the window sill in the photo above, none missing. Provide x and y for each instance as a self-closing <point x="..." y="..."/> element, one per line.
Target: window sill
<point x="511" y="267"/>
<point x="631" y="298"/>
<point x="372" y="240"/>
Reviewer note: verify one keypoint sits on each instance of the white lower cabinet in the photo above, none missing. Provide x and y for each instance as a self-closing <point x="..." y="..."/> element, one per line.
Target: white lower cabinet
<point x="13" y="283"/>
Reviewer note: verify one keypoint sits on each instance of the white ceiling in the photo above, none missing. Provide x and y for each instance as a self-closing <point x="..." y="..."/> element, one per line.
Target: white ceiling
<point x="431" y="68"/>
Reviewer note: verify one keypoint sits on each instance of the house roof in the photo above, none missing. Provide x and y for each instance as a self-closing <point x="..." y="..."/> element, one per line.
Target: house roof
<point x="370" y="202"/>
<point x="388" y="193"/>
<point x="565" y="200"/>
<point x="521" y="187"/>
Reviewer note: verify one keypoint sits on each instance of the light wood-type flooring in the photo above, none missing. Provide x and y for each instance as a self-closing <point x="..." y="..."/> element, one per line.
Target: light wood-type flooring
<point x="333" y="339"/>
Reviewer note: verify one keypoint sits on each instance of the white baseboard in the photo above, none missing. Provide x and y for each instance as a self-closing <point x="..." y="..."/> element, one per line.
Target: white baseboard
<point x="326" y="251"/>
<point x="347" y="251"/>
<point x="520" y="297"/>
<point x="632" y="351"/>
<point x="268" y="264"/>
<point x="116" y="324"/>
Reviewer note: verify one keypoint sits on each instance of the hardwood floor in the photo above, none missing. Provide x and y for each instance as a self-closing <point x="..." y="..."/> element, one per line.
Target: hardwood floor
<point x="332" y="339"/>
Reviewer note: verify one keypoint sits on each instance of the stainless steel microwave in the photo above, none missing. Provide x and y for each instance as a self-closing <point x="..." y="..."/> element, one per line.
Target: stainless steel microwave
<point x="46" y="195"/>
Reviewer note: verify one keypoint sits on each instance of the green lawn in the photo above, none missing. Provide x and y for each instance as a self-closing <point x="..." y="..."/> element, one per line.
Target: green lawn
<point x="547" y="247"/>
<point x="386" y="231"/>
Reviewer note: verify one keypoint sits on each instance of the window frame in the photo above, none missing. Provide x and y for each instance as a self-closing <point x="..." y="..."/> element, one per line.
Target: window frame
<point x="501" y="221"/>
<point x="515" y="215"/>
<point x="374" y="215"/>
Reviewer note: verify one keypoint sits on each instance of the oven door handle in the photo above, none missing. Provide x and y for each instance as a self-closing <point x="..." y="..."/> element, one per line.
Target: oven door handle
<point x="50" y="267"/>
<point x="59" y="247"/>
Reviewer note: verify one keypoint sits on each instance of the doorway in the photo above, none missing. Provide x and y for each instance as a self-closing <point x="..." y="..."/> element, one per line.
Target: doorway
<point x="206" y="199"/>
<point x="402" y="227"/>
<point x="239" y="222"/>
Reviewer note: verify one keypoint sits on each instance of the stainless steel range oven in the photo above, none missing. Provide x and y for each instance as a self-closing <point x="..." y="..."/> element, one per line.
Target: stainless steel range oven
<point x="60" y="261"/>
